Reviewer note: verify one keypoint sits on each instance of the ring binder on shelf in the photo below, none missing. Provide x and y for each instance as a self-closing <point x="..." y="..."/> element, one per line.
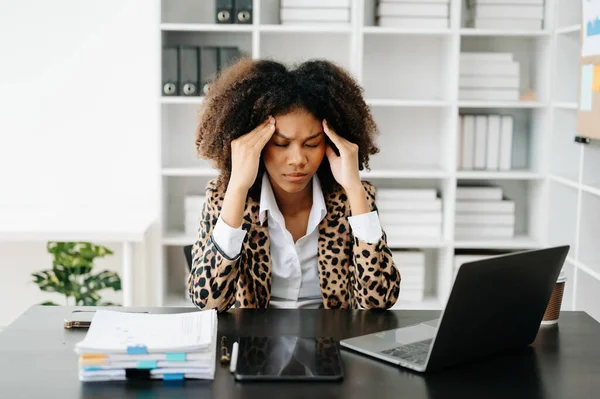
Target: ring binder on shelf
<point x="243" y="11"/>
<point x="189" y="69"/>
<point x="209" y="66"/>
<point x="224" y="10"/>
<point x="170" y="70"/>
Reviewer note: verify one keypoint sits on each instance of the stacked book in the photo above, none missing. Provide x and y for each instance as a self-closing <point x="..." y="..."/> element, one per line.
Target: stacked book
<point x="489" y="76"/>
<point x="193" y="209"/>
<point x="411" y="265"/>
<point x="410" y="213"/>
<point x="483" y="212"/>
<point x="413" y="14"/>
<point x="485" y="142"/>
<point x="126" y="345"/>
<point x="315" y="12"/>
<point x="507" y="14"/>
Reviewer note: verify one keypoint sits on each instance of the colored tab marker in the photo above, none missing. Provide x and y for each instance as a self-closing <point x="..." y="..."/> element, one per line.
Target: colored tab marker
<point x="176" y="357"/>
<point x="137" y="350"/>
<point x="146" y="364"/>
<point x="91" y="368"/>
<point x="173" y="377"/>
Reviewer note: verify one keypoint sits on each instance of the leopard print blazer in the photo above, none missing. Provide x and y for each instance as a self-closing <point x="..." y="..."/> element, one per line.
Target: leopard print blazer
<point x="352" y="273"/>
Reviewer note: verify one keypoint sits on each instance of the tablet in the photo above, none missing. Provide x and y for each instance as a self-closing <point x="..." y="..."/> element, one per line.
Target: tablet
<point x="288" y="358"/>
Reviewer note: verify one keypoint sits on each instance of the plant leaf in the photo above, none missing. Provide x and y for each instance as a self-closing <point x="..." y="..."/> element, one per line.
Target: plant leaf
<point x="109" y="304"/>
<point x="103" y="280"/>
<point x="47" y="281"/>
<point x="49" y="303"/>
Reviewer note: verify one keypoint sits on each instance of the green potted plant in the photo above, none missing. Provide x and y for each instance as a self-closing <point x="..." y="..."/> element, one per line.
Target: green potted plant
<point x="72" y="274"/>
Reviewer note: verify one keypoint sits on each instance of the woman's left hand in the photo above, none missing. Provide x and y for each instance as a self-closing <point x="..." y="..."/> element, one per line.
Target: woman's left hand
<point x="344" y="167"/>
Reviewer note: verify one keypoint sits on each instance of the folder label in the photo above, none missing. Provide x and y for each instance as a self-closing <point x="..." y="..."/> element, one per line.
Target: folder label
<point x="176" y="357"/>
<point x="147" y="364"/>
<point x="173" y="377"/>
<point x="137" y="350"/>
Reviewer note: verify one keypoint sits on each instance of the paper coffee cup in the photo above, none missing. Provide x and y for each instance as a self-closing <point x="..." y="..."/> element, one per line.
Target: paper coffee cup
<point x="553" y="309"/>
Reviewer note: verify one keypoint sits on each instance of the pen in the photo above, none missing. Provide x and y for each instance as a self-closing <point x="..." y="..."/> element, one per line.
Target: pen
<point x="234" y="356"/>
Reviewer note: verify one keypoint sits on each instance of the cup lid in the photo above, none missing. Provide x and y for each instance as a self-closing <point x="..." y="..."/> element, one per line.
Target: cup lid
<point x="562" y="277"/>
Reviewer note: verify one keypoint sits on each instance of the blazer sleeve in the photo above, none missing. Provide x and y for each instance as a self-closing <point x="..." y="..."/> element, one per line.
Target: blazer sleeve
<point x="213" y="277"/>
<point x="376" y="279"/>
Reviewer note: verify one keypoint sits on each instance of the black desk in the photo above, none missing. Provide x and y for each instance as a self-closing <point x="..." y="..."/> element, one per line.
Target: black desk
<point x="37" y="360"/>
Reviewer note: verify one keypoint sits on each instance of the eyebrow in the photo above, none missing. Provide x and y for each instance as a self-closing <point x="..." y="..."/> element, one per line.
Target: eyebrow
<point x="308" y="138"/>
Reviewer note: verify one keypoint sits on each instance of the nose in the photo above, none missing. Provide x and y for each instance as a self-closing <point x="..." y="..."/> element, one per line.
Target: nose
<point x="297" y="157"/>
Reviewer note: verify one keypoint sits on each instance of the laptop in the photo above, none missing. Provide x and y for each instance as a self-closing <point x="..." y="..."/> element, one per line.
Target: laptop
<point x="495" y="304"/>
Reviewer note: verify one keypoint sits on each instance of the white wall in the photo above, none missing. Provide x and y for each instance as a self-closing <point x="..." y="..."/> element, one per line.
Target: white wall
<point x="79" y="118"/>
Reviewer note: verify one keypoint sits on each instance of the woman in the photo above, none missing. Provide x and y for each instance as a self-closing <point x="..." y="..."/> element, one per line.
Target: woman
<point x="288" y="222"/>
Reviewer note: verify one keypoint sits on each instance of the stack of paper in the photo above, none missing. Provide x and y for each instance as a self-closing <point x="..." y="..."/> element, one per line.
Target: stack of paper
<point x="410" y="213"/>
<point x="122" y="345"/>
<point x="483" y="212"/>
<point x="489" y="77"/>
<point x="411" y="265"/>
<point x="315" y="12"/>
<point x="507" y="14"/>
<point x="413" y="14"/>
<point x="485" y="142"/>
<point x="192" y="212"/>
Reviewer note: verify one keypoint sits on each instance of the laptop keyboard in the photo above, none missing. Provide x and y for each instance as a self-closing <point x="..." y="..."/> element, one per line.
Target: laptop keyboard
<point x="415" y="352"/>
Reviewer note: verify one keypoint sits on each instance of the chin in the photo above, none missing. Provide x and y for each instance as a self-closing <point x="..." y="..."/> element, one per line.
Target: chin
<point x="293" y="187"/>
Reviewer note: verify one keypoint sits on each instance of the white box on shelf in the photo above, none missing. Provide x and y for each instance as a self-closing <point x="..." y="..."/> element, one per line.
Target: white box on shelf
<point x="416" y="9"/>
<point x="493" y="143"/>
<point x="486" y="68"/>
<point x="477" y="232"/>
<point x="474" y="56"/>
<point x="479" y="193"/>
<point x="406" y="194"/>
<point x="489" y="82"/>
<point x="489" y="94"/>
<point x="421" y="231"/>
<point x="481" y="124"/>
<point x="509" y="11"/>
<point x="315" y="4"/>
<point x="486" y="207"/>
<point x="498" y="219"/>
<point x="508" y="24"/>
<point x="411" y="206"/>
<point x="510" y="2"/>
<point x="468" y="142"/>
<point x="315" y="14"/>
<point x="506" y="142"/>
<point x="413" y="23"/>
<point x="390" y="218"/>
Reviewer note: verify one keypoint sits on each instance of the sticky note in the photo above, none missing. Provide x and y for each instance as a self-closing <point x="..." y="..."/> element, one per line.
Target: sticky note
<point x="596" y="79"/>
<point x="587" y="79"/>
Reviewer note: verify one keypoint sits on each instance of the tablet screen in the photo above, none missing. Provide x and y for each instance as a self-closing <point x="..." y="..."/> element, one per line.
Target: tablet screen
<point x="288" y="358"/>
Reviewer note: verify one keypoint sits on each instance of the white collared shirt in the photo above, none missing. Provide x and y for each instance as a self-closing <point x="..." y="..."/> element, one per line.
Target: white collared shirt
<point x="294" y="266"/>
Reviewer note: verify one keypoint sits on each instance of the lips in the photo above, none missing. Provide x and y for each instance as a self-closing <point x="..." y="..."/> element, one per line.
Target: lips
<point x="295" y="177"/>
<point x="296" y="174"/>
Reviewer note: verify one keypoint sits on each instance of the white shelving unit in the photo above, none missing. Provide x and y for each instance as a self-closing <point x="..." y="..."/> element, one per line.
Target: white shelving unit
<point x="410" y="81"/>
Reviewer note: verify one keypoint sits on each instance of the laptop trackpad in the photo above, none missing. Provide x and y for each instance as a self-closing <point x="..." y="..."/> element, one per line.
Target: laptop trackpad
<point x="420" y="332"/>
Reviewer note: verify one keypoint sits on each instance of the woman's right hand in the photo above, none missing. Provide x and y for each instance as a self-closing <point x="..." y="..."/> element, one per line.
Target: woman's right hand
<point x="245" y="155"/>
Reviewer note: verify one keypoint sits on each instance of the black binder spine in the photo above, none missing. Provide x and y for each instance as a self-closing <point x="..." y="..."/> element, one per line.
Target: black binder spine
<point x="188" y="65"/>
<point x="170" y="71"/>
<point x="209" y="66"/>
<point x="224" y="11"/>
<point x="243" y="11"/>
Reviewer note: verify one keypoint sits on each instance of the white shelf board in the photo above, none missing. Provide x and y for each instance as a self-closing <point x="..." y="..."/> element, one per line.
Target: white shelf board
<point x="584" y="267"/>
<point x="498" y="175"/>
<point x="178" y="238"/>
<point x="275" y="28"/>
<point x="171" y="27"/>
<point x="500" y="104"/>
<point x="565" y="30"/>
<point x="503" y="32"/>
<point x="416" y="243"/>
<point x="201" y="172"/>
<point x="384" y="102"/>
<point x="181" y="100"/>
<point x="590" y="190"/>
<point x="518" y="242"/>
<point x="565" y="105"/>
<point x="564" y="181"/>
<point x="382" y="30"/>
<point x="427" y="303"/>
<point x="405" y="174"/>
